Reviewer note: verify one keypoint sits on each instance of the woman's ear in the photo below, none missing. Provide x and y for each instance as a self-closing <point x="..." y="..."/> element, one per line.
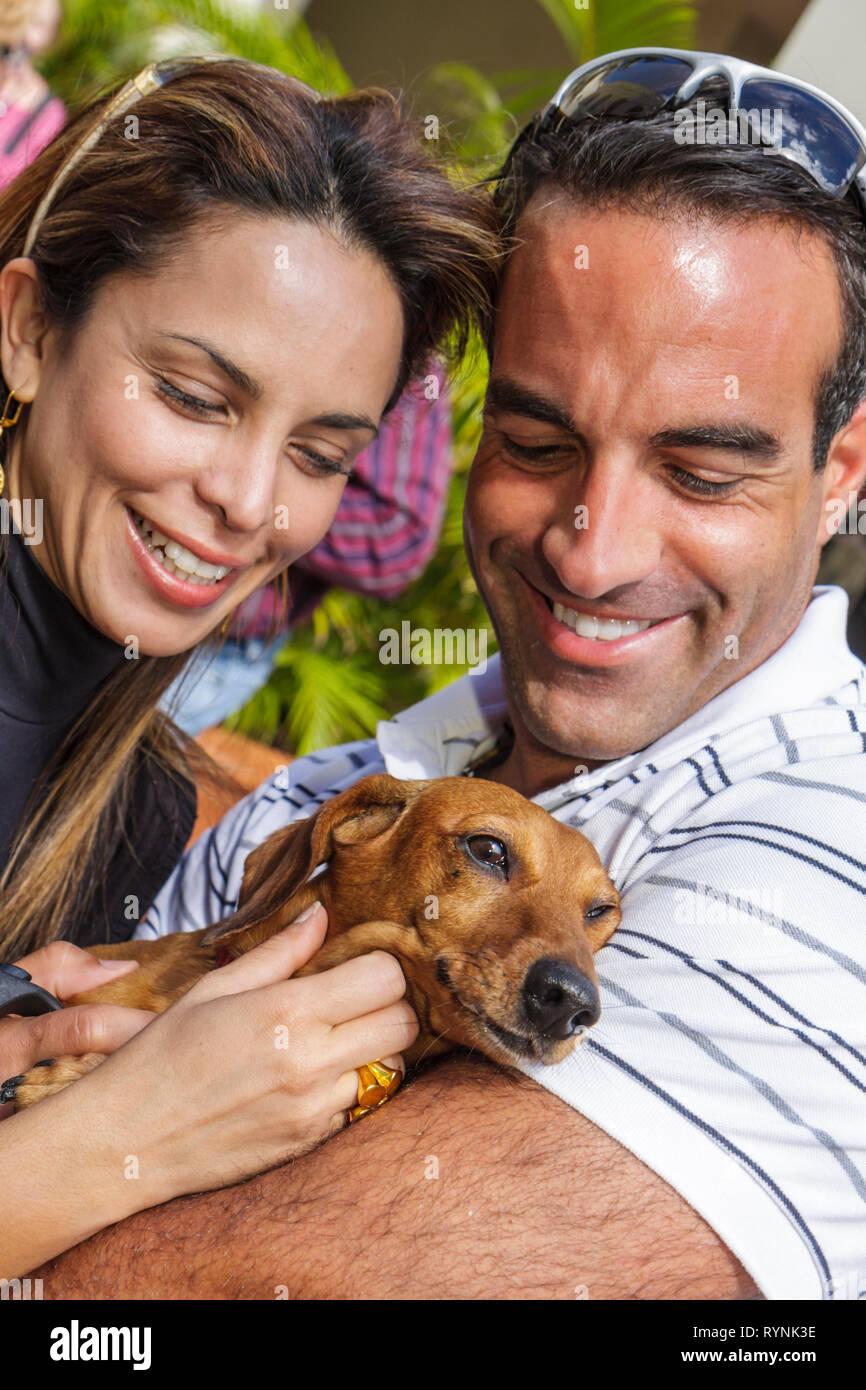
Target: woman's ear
<point x="23" y="326"/>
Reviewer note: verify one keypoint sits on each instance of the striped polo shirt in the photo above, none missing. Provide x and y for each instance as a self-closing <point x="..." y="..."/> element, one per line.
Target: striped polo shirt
<point x="731" y="1052"/>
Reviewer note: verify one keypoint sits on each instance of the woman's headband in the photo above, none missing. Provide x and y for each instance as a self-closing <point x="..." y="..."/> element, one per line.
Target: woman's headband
<point x="153" y="76"/>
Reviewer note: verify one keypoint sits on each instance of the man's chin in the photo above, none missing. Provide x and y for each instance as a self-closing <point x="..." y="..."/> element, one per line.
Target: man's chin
<point x="586" y="729"/>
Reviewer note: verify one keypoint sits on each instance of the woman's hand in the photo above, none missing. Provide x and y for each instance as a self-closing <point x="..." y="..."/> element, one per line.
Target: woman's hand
<point x="249" y="1068"/>
<point x="65" y="970"/>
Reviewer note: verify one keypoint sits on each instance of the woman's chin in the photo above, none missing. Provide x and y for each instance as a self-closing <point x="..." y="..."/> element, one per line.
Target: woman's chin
<point x="154" y="637"/>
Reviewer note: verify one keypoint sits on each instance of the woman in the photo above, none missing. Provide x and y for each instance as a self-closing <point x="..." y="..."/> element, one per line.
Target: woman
<point x="210" y="295"/>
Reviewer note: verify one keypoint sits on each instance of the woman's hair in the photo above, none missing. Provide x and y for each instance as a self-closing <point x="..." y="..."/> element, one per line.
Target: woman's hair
<point x="228" y="134"/>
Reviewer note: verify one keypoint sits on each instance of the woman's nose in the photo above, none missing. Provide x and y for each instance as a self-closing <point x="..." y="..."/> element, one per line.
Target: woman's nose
<point x="241" y="484"/>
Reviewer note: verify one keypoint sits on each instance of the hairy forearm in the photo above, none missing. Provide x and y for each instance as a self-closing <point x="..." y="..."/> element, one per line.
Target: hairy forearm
<point x="473" y="1183"/>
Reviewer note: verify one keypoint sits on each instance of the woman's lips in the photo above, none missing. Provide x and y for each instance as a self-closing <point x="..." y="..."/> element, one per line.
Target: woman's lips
<point x="587" y="651"/>
<point x="167" y="585"/>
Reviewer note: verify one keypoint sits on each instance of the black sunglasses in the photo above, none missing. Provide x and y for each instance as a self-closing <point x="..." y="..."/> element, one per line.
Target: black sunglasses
<point x="808" y="128"/>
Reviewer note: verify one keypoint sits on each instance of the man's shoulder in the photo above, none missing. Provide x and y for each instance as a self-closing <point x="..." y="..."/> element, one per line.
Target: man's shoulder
<point x="779" y="799"/>
<point x="300" y="787"/>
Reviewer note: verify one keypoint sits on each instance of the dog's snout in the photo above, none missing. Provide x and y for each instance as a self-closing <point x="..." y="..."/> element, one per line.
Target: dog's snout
<point x="559" y="1001"/>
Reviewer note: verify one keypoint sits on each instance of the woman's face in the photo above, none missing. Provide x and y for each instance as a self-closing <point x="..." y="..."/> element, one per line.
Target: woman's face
<point x="218" y="405"/>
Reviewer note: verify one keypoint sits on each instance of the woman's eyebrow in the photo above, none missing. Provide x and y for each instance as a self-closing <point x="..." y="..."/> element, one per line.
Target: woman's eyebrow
<point x="235" y="373"/>
<point x="337" y="420"/>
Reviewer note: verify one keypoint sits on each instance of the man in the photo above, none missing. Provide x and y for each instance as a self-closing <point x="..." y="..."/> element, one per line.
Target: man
<point x="674" y="409"/>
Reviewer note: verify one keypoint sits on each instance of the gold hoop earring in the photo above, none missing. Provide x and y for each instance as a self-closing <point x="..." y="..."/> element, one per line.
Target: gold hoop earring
<point x="5" y="423"/>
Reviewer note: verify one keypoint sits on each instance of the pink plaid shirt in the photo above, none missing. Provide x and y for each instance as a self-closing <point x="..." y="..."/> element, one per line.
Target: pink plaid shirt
<point x="23" y="134"/>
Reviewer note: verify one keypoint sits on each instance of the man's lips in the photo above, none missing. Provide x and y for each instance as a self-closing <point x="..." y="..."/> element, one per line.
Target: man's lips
<point x="588" y="651"/>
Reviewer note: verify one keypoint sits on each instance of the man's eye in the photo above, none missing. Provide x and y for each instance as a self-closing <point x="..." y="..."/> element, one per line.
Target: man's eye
<point x="486" y="850"/>
<point x="693" y="483"/>
<point x="534" y="453"/>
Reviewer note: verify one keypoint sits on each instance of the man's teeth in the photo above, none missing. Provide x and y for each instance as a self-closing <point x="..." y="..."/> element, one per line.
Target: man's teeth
<point x="176" y="558"/>
<point x="598" y="629"/>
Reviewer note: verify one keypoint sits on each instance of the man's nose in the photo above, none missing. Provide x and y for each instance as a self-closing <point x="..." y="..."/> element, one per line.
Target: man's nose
<point x="613" y="539"/>
<point x="559" y="1000"/>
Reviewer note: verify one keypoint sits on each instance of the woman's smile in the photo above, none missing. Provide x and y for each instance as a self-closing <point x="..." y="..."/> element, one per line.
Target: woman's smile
<point x="173" y="571"/>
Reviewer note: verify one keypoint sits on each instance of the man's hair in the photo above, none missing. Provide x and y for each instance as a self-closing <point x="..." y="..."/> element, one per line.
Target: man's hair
<point x="639" y="165"/>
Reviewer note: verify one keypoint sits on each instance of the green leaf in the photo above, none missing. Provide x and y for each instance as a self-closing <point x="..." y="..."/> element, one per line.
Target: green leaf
<point x="104" y="40"/>
<point x="575" y="25"/>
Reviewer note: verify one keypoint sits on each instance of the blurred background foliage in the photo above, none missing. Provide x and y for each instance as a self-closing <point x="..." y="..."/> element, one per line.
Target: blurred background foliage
<point x="328" y="684"/>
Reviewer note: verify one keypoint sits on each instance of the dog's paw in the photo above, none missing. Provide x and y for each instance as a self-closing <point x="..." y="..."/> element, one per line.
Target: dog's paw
<point x="47" y="1077"/>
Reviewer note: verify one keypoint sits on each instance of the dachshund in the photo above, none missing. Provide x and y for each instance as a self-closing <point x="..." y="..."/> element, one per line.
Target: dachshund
<point x="493" y="909"/>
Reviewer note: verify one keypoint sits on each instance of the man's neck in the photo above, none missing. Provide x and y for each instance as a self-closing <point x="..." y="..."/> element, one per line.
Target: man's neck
<point x="530" y="770"/>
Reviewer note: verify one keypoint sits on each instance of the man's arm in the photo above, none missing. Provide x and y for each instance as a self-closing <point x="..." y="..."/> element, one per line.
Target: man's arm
<point x="472" y="1183"/>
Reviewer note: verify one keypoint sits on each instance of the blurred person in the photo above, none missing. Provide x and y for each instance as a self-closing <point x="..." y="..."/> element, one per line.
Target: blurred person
<point x="30" y="115"/>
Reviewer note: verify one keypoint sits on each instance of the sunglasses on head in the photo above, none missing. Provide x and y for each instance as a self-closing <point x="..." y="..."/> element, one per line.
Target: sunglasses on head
<point x="810" y="129"/>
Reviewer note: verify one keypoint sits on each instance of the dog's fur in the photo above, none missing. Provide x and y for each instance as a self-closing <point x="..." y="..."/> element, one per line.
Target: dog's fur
<point x="400" y="878"/>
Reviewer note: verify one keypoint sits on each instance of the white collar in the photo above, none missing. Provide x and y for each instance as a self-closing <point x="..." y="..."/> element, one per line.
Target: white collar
<point x="439" y="735"/>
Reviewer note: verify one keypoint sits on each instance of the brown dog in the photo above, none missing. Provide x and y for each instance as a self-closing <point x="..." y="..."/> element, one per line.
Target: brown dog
<point x="492" y="907"/>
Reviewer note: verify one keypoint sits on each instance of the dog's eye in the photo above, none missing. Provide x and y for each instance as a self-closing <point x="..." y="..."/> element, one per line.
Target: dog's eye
<point x="489" y="852"/>
<point x="599" y="910"/>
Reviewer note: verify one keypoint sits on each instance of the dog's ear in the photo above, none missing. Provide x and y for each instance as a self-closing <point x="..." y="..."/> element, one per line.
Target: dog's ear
<point x="278" y="867"/>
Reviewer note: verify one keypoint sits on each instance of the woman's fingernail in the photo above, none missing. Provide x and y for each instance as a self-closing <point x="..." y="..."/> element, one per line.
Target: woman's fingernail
<point x="307" y="912"/>
<point x="116" y="964"/>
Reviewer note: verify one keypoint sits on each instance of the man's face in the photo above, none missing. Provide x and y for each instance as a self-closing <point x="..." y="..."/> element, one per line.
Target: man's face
<point x="647" y="458"/>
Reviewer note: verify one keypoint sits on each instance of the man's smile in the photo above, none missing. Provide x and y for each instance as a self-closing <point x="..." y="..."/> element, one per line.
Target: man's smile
<point x="597" y="628"/>
<point x="587" y="639"/>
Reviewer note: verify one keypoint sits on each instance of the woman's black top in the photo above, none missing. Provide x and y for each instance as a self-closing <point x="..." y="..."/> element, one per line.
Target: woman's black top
<point x="51" y="661"/>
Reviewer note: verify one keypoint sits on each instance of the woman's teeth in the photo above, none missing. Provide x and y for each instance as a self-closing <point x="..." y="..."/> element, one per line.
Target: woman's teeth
<point x="597" y="629"/>
<point x="176" y="558"/>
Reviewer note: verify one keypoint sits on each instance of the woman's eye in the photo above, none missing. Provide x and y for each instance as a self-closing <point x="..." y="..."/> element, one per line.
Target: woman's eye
<point x="692" y="483"/>
<point x="319" y="465"/>
<point x="485" y="850"/>
<point x="204" y="409"/>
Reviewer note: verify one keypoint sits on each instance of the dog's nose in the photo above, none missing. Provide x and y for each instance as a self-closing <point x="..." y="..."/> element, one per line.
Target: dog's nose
<point x="559" y="1000"/>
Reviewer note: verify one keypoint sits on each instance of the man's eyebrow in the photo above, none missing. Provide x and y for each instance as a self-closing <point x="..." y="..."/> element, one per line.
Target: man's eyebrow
<point x="232" y="370"/>
<point x="736" y="438"/>
<point x="337" y="420"/>
<point x="504" y="394"/>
